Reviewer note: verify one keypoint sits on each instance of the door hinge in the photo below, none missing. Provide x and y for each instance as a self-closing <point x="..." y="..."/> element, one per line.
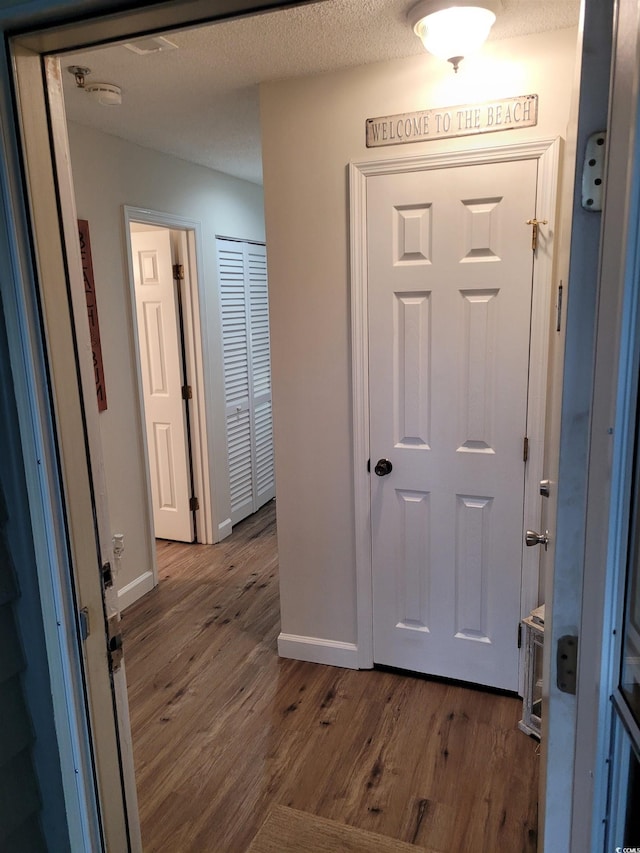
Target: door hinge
<point x="178" y="272"/>
<point x="187" y="392"/>
<point x="83" y="621"/>
<point x="114" y="642"/>
<point x="593" y="171"/>
<point x="535" y="224"/>
<point x="519" y="635"/>
<point x="567" y="664"/>
<point x="194" y="504"/>
<point x="559" y="309"/>
<point x="525" y="449"/>
<point x="368" y="466"/>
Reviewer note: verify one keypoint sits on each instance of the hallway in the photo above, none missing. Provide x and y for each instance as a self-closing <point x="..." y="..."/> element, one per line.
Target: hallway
<point x="223" y="728"/>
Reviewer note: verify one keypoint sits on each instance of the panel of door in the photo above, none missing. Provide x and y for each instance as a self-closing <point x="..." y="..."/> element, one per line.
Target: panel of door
<point x="161" y="369"/>
<point x="450" y="276"/>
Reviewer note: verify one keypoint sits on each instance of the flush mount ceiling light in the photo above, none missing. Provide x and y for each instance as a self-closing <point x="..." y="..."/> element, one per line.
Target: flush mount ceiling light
<point x="452" y="29"/>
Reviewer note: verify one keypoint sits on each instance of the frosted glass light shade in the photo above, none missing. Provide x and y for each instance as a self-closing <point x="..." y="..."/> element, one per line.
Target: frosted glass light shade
<point x="455" y="32"/>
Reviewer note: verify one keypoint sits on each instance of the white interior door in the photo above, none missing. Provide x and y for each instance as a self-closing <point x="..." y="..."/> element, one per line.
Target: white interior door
<point x="160" y="351"/>
<point x="244" y="310"/>
<point x="450" y="285"/>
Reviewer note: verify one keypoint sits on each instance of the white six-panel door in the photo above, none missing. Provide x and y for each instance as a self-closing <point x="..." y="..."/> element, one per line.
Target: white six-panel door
<point x="162" y="377"/>
<point x="450" y="278"/>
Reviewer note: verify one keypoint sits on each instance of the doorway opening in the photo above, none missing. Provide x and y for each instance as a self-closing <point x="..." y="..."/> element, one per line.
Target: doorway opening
<point x="183" y="208"/>
<point x="162" y="292"/>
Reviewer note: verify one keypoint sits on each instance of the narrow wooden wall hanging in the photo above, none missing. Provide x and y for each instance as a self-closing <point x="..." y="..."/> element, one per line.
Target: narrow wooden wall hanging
<point x="92" y="312"/>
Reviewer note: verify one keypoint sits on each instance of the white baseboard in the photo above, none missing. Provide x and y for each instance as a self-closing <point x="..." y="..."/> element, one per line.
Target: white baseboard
<point x="135" y="590"/>
<point x="224" y="530"/>
<point x="317" y="650"/>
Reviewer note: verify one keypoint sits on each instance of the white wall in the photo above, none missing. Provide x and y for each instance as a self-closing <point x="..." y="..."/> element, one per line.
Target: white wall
<point x="108" y="173"/>
<point x="311" y="129"/>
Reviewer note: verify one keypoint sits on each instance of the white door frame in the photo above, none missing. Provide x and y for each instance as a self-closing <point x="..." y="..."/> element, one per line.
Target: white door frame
<point x="611" y="444"/>
<point x="195" y="346"/>
<point x="38" y="437"/>
<point x="59" y="267"/>
<point x="547" y="152"/>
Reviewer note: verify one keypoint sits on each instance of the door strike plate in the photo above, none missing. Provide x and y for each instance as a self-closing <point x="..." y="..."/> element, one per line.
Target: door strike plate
<point x="107" y="575"/>
<point x="567" y="664"/>
<point x="114" y="642"/>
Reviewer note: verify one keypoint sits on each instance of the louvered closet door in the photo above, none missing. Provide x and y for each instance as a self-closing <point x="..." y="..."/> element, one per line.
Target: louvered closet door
<point x="247" y="374"/>
<point x="260" y="373"/>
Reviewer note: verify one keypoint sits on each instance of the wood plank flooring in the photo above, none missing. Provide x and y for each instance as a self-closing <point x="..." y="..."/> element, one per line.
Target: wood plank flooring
<point x="289" y="831"/>
<point x="223" y="729"/>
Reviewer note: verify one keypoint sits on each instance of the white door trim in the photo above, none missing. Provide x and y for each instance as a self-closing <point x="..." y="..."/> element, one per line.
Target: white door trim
<point x="61" y="288"/>
<point x="195" y="345"/>
<point x="547" y="152"/>
<point x="612" y="430"/>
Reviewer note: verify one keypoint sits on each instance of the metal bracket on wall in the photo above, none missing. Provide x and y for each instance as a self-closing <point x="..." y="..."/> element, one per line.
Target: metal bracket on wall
<point x="593" y="171"/>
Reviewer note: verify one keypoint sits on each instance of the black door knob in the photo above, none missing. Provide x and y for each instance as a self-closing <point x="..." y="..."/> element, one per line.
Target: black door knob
<point x="383" y="467"/>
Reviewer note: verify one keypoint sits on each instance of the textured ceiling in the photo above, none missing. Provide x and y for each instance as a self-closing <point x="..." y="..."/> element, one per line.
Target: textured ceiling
<point x="200" y="101"/>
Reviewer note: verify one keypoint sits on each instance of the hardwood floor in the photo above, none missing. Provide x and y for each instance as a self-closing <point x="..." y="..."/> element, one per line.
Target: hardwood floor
<point x="223" y="728"/>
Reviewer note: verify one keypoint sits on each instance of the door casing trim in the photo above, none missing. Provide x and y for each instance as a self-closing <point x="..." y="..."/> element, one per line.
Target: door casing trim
<point x="548" y="153"/>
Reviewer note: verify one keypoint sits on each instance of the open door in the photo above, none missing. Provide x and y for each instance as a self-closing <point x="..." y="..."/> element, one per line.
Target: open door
<point x="68" y="347"/>
<point x="160" y="344"/>
<point x="571" y="592"/>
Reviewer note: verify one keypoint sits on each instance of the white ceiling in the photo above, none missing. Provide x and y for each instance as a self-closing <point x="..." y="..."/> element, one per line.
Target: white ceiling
<point x="200" y="101"/>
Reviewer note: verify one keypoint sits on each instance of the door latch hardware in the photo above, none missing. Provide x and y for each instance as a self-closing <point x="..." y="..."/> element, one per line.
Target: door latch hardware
<point x="535" y="223"/>
<point x="107" y="575"/>
<point x="593" y="171"/>
<point x="178" y="272"/>
<point x="114" y="642"/>
<point x="567" y="664"/>
<point x="533" y="538"/>
<point x="545" y="488"/>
